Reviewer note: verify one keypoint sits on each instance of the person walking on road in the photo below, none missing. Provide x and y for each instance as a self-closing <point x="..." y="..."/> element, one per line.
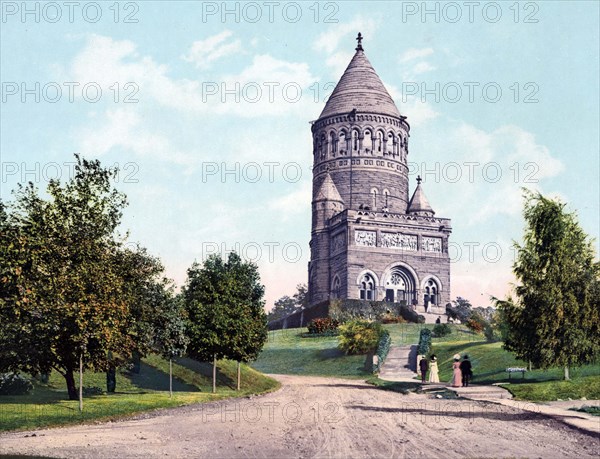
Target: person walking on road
<point x="433" y="370"/>
<point x="423" y="366"/>
<point x="466" y="371"/>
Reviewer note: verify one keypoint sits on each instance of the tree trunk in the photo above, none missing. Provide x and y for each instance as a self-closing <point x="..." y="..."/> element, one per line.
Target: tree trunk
<point x="80" y="382"/>
<point x="530" y="365"/>
<point x="239" y="374"/>
<point x="71" y="388"/>
<point x="214" y="373"/>
<point x="170" y="378"/>
<point x="567" y="378"/>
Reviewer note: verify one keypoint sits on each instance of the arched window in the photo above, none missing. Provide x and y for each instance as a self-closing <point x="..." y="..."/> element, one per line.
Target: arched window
<point x="343" y="143"/>
<point x="374" y="198"/>
<point x="355" y="140"/>
<point x="431" y="293"/>
<point x="391" y="144"/>
<point x="386" y="195"/>
<point x="368" y="141"/>
<point x="336" y="288"/>
<point x="379" y="141"/>
<point x="333" y="143"/>
<point x="367" y="287"/>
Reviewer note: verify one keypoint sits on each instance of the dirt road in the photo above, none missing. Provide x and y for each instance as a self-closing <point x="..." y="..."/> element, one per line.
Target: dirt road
<point x="314" y="417"/>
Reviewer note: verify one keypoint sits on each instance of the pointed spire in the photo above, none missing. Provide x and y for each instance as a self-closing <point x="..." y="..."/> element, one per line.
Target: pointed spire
<point x="360" y="89"/>
<point x="328" y="191"/>
<point x="419" y="204"/>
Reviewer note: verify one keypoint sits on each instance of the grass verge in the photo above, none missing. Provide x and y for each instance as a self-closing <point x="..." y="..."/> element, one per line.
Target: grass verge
<point x="47" y="405"/>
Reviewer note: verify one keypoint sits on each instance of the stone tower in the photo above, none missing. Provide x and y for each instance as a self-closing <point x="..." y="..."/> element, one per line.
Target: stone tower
<point x="368" y="240"/>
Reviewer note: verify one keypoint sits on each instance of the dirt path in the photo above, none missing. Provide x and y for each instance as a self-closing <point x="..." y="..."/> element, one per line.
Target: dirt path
<point x="321" y="418"/>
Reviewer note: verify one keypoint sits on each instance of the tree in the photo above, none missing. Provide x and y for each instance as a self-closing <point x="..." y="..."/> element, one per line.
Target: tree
<point x="63" y="303"/>
<point x="224" y="303"/>
<point x="554" y="318"/>
<point x="461" y="309"/>
<point x="286" y="305"/>
<point x="170" y="338"/>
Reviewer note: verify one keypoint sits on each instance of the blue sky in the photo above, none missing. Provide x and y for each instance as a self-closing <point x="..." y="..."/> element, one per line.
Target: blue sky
<point x="207" y="113"/>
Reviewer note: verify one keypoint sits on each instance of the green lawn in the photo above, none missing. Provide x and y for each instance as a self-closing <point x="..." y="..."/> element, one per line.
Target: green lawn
<point x="286" y="352"/>
<point x="489" y="362"/>
<point x="48" y="404"/>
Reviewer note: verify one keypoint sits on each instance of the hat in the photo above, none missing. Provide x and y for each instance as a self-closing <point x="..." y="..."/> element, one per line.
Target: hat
<point x="456" y="356"/>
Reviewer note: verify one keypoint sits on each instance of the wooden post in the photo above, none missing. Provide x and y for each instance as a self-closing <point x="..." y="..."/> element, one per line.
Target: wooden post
<point x="238" y="375"/>
<point x="170" y="378"/>
<point x="214" y="388"/>
<point x="81" y="382"/>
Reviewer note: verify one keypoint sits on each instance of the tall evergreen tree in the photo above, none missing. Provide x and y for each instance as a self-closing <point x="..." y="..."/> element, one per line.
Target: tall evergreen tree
<point x="554" y="318"/>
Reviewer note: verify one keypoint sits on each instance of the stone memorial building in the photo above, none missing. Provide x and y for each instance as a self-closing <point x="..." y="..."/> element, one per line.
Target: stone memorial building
<point x="369" y="240"/>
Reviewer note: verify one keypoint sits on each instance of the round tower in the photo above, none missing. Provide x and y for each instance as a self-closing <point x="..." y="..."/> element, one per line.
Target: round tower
<point x="361" y="140"/>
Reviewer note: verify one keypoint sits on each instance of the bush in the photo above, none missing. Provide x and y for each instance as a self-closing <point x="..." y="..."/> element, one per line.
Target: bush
<point x="424" y="345"/>
<point x="383" y="348"/>
<point x="390" y="318"/>
<point x="92" y="390"/>
<point x="13" y="384"/>
<point x="348" y="309"/>
<point x="360" y="336"/>
<point x="320" y="326"/>
<point x="475" y="325"/>
<point x="490" y="334"/>
<point x="442" y="330"/>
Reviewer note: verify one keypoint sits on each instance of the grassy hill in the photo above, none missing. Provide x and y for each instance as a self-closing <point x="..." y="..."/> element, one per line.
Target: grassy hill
<point x="287" y="352"/>
<point x="192" y="383"/>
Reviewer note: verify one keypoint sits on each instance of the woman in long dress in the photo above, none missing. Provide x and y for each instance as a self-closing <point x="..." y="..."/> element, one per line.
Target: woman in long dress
<point x="456" y="373"/>
<point x="433" y="370"/>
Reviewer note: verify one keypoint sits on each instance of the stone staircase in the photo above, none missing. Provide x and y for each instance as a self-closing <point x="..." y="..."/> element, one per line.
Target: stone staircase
<point x="400" y="364"/>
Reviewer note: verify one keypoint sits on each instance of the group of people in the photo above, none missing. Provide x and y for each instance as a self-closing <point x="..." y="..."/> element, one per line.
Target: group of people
<point x="462" y="371"/>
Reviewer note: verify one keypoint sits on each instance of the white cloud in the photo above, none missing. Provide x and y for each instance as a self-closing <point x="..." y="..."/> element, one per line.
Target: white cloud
<point x="415" y="53"/>
<point x="422" y="67"/>
<point x="123" y="128"/>
<point x="329" y="40"/>
<point x="204" y="52"/>
<point x="293" y="203"/>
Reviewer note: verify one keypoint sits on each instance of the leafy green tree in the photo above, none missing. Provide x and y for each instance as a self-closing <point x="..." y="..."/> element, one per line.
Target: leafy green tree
<point x="286" y="305"/>
<point x="461" y="309"/>
<point x="170" y="334"/>
<point x="63" y="303"/>
<point x="554" y="318"/>
<point x="225" y="310"/>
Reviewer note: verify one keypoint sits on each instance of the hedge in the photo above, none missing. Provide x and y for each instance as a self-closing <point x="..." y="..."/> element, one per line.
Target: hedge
<point x="382" y="350"/>
<point x="424" y="342"/>
<point x="347" y="309"/>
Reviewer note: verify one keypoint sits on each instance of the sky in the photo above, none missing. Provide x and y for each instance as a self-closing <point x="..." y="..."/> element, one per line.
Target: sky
<point x="205" y="107"/>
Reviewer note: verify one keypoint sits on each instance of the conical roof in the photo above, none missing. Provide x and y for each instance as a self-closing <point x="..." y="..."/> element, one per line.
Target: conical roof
<point x="360" y="88"/>
<point x="418" y="203"/>
<point x="328" y="191"/>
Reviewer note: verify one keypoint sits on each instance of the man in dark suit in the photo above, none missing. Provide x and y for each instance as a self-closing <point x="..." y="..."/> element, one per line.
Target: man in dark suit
<point x="466" y="371"/>
<point x="423" y="366"/>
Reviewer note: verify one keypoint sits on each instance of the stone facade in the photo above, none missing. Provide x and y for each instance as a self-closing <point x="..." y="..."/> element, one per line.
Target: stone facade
<point x="369" y="241"/>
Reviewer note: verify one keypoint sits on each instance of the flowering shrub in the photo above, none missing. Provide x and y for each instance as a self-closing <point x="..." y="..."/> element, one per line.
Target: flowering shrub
<point x="360" y="336"/>
<point x="319" y="326"/>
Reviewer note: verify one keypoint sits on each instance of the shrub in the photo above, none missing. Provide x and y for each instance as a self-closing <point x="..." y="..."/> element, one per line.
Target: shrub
<point x="320" y="326"/>
<point x="360" y="336"/>
<point x="424" y="345"/>
<point x="390" y="318"/>
<point x="490" y="334"/>
<point x="383" y="348"/>
<point x="442" y="330"/>
<point x="349" y="309"/>
<point x="13" y="384"/>
<point x="475" y="325"/>
<point x="92" y="390"/>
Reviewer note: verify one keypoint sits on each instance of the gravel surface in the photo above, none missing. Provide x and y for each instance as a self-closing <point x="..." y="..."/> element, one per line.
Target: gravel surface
<point x="313" y="417"/>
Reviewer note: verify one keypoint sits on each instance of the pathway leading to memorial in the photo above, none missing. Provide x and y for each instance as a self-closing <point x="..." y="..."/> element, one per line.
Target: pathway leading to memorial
<point x="318" y="417"/>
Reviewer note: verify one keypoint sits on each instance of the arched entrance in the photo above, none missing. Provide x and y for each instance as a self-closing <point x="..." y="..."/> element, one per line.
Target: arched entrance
<point x="400" y="285"/>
